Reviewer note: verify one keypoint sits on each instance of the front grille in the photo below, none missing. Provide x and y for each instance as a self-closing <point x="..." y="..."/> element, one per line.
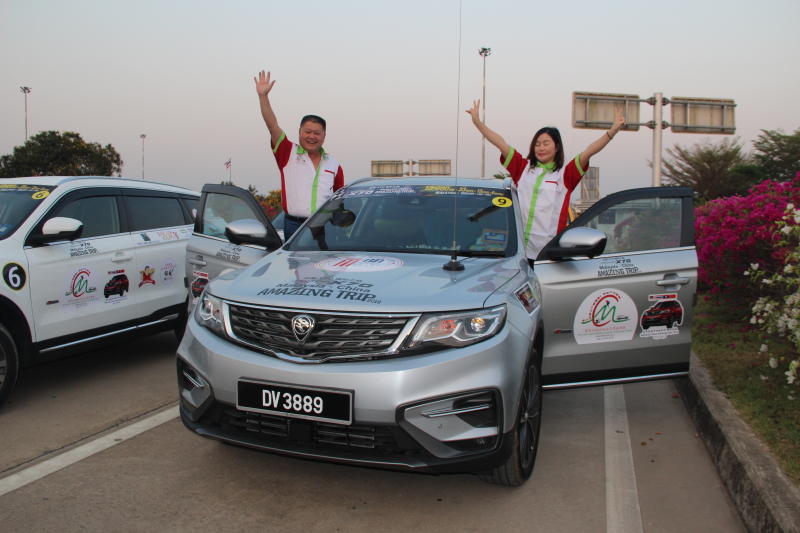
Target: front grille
<point x="333" y="335"/>
<point x="266" y="429"/>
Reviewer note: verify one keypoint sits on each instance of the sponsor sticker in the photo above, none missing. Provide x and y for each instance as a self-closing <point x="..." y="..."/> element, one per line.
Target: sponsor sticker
<point x="606" y="315"/>
<point x="147" y="276"/>
<point x="168" y="271"/>
<point x="81" y="289"/>
<point x="663" y="318"/>
<point x="199" y="282"/>
<point x="370" y="263"/>
<point x="525" y="296"/>
<point x="117" y="287"/>
<point x="79" y="249"/>
<point x="616" y="266"/>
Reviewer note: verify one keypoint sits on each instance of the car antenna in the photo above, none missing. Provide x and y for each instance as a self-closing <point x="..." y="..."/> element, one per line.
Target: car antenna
<point x="454" y="265"/>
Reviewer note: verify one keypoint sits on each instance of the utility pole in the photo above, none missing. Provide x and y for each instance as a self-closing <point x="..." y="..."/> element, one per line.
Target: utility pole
<point x="26" y="90"/>
<point x="142" y="137"/>
<point x="483" y="52"/>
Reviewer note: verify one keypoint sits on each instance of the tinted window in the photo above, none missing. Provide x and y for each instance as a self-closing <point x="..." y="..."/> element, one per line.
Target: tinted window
<point x="150" y="212"/>
<point x="17" y="201"/>
<point x="192" y="204"/>
<point x="642" y="224"/>
<point x="99" y="214"/>
<point x="221" y="209"/>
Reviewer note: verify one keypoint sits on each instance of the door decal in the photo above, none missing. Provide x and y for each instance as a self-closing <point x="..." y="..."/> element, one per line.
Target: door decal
<point x="606" y="315"/>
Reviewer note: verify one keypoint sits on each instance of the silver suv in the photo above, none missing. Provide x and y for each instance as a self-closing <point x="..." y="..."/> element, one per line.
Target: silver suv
<point x="87" y="260"/>
<point x="403" y="327"/>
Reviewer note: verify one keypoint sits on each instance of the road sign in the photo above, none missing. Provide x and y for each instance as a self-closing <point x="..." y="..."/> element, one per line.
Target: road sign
<point x="702" y="115"/>
<point x="597" y="110"/>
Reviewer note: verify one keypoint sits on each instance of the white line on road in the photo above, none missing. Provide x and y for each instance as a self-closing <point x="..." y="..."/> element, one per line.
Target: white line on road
<point x="40" y="470"/>
<point x="622" y="497"/>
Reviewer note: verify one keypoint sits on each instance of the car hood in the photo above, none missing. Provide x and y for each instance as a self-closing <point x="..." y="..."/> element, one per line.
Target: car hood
<point x="366" y="282"/>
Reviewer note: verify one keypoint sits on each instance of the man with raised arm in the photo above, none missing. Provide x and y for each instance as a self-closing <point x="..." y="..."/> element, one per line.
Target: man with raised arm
<point x="309" y="175"/>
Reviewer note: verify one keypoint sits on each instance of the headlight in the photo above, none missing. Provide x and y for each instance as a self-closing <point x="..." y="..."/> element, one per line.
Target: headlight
<point x="208" y="312"/>
<point x="458" y="329"/>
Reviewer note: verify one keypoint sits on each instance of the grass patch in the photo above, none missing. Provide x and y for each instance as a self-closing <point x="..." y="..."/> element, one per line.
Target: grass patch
<point x="729" y="347"/>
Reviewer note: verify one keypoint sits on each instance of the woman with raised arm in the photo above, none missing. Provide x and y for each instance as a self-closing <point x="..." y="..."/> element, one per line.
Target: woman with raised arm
<point x="544" y="183"/>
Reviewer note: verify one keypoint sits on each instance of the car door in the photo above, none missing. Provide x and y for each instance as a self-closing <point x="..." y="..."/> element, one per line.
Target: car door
<point x="602" y="316"/>
<point x="77" y="287"/>
<point x="209" y="252"/>
<point x="160" y="227"/>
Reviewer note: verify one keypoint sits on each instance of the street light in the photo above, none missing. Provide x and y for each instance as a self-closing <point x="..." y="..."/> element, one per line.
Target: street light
<point x="483" y="52"/>
<point x="142" y="137"/>
<point x="25" y="91"/>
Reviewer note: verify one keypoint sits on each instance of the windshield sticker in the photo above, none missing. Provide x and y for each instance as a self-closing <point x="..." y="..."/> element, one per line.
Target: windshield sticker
<point x="40" y="195"/>
<point x="616" y="266"/>
<point x="230" y="253"/>
<point x="117" y="287"/>
<point x="340" y="289"/>
<point x="501" y="201"/>
<point x="420" y="190"/>
<point x="81" y="289"/>
<point x="199" y="282"/>
<point x="27" y="188"/>
<point x="525" y="296"/>
<point x="168" y="271"/>
<point x="606" y="315"/>
<point x="662" y="319"/>
<point x="147" y="276"/>
<point x="78" y="249"/>
<point x="369" y="263"/>
<point x="14" y="276"/>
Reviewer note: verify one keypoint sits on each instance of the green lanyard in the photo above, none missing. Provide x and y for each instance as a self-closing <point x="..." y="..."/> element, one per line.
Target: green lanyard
<point x="546" y="168"/>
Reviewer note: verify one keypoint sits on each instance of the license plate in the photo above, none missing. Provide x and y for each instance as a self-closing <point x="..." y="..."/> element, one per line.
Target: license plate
<point x="310" y="403"/>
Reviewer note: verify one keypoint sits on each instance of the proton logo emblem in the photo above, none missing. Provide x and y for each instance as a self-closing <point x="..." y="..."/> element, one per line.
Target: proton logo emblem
<point x="302" y="326"/>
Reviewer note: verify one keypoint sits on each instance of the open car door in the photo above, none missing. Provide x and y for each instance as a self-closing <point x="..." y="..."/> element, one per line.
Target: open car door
<point x="212" y="248"/>
<point x="625" y="314"/>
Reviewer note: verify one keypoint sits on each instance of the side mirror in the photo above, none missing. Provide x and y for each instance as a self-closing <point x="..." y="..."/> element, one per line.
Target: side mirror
<point x="250" y="231"/>
<point x="58" y="229"/>
<point x="576" y="242"/>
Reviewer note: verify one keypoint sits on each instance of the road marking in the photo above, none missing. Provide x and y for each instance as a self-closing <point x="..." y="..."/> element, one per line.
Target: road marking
<point x="622" y="497"/>
<point x="40" y="470"/>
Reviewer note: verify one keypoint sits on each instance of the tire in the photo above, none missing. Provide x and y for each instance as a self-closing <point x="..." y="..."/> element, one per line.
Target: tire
<point x="9" y="364"/>
<point x="519" y="465"/>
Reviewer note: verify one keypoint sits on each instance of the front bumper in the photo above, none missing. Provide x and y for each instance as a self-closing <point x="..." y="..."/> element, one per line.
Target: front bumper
<point x="408" y="412"/>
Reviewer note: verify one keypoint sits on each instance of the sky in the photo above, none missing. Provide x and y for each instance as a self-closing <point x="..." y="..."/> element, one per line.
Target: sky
<point x="392" y="79"/>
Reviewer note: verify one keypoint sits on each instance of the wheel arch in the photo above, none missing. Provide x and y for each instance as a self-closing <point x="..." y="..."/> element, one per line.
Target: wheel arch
<point x="14" y="319"/>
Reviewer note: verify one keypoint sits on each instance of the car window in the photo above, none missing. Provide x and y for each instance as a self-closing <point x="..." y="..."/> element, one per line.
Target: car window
<point x="220" y="210"/>
<point x="640" y="224"/>
<point x="416" y="219"/>
<point x="192" y="204"/>
<point x="99" y="214"/>
<point x="17" y="201"/>
<point x="150" y="212"/>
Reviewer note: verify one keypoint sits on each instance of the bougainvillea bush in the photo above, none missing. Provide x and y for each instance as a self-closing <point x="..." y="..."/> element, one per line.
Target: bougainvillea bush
<point x="736" y="232"/>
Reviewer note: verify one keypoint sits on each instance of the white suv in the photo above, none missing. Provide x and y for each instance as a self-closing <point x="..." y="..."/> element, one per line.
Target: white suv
<point x="87" y="260"/>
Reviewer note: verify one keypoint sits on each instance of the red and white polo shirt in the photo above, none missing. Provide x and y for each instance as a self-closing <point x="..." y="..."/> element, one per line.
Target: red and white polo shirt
<point x="303" y="187"/>
<point x="544" y="195"/>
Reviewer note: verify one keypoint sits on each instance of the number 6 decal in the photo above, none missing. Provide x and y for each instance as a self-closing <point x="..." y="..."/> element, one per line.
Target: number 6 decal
<point x="14" y="276"/>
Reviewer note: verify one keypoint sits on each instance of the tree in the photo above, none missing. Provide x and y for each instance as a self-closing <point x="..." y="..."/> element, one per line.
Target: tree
<point x="52" y="153"/>
<point x="778" y="154"/>
<point x="711" y="170"/>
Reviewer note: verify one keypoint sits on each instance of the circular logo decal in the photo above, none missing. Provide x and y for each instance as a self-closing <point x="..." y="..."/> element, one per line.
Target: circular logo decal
<point x="369" y="263"/>
<point x="606" y="315"/>
<point x="501" y="201"/>
<point x="40" y="195"/>
<point x="14" y="276"/>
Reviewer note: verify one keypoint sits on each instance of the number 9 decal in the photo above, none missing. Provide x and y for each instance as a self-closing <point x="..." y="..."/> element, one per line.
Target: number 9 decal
<point x="501" y="201"/>
<point x="14" y="276"/>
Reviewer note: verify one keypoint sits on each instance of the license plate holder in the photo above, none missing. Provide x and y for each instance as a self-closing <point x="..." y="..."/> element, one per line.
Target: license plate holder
<point x="308" y="403"/>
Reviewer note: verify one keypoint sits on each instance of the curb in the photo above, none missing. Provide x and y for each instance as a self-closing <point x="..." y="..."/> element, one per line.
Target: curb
<point x="767" y="501"/>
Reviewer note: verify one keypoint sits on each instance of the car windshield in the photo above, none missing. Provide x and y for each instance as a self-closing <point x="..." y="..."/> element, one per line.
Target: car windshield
<point x="17" y="202"/>
<point x="413" y="219"/>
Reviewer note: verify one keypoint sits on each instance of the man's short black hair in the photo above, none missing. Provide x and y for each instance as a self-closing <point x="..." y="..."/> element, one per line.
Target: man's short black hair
<point x="314" y="118"/>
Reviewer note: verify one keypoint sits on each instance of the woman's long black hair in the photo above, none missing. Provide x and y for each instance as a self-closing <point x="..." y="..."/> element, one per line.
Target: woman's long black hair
<point x="556" y="136"/>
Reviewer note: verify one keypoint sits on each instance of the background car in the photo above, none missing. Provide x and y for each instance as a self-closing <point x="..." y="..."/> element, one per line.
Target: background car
<point x="68" y="244"/>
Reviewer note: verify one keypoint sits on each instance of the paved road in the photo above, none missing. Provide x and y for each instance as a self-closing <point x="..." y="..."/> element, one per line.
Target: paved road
<point x="611" y="459"/>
